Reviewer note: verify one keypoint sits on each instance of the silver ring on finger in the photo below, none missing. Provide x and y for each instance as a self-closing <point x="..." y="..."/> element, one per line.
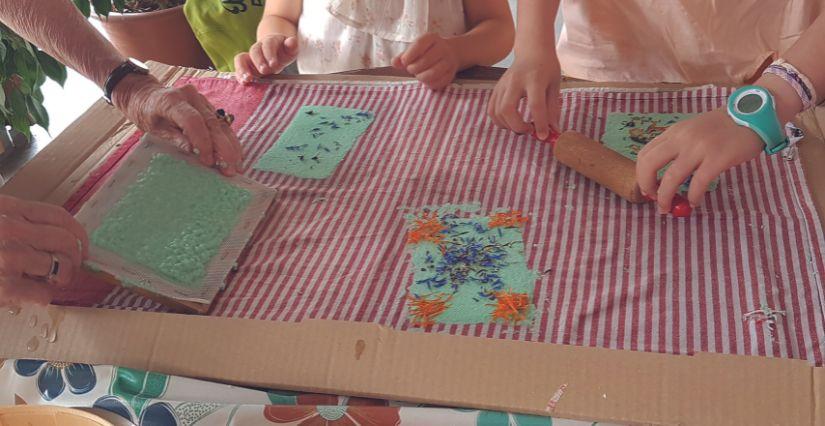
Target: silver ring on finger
<point x="225" y="116"/>
<point x="54" y="269"/>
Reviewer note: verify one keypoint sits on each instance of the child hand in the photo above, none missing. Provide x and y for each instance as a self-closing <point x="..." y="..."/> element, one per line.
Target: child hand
<point x="536" y="77"/>
<point x="704" y="146"/>
<point x="266" y="57"/>
<point x="431" y="60"/>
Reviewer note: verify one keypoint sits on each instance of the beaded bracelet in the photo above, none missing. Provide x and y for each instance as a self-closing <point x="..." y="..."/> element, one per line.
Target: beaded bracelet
<point x="800" y="82"/>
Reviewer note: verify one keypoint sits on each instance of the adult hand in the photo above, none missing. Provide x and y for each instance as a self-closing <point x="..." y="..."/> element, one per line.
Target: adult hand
<point x="32" y="235"/>
<point x="181" y="115"/>
<point x="537" y="77"/>
<point x="266" y="57"/>
<point x="704" y="146"/>
<point x="431" y="59"/>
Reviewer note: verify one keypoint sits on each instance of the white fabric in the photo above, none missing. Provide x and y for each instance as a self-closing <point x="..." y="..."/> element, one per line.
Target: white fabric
<point x="341" y="35"/>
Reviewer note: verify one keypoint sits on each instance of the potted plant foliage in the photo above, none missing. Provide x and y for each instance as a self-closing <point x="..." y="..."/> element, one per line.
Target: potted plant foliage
<point x="23" y="70"/>
<point x="149" y="30"/>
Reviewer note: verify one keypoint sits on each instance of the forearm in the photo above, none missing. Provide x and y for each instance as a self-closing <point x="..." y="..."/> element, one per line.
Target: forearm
<point x="535" y="33"/>
<point x="273" y="24"/>
<point x="806" y="55"/>
<point x="485" y="44"/>
<point x="58" y="28"/>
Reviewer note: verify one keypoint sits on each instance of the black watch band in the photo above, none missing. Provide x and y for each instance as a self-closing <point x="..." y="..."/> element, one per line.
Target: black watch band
<point x="117" y="75"/>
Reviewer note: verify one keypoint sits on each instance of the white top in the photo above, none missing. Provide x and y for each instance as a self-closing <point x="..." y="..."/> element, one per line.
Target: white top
<point x="342" y="35"/>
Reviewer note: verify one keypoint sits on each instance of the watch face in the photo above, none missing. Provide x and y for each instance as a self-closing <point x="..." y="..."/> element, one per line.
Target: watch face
<point x="750" y="103"/>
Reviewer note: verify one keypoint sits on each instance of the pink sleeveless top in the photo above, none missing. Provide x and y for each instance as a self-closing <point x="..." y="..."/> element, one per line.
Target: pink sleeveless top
<point x="678" y="41"/>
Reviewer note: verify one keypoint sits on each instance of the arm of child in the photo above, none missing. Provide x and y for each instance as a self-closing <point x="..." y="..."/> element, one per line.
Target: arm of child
<point x="277" y="44"/>
<point x="535" y="73"/>
<point x="710" y="143"/>
<point x="435" y="60"/>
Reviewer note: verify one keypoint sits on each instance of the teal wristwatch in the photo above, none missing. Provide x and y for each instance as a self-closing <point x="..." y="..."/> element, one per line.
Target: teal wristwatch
<point x="753" y="107"/>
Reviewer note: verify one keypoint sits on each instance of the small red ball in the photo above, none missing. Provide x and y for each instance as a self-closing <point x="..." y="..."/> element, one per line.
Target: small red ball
<point x="681" y="208"/>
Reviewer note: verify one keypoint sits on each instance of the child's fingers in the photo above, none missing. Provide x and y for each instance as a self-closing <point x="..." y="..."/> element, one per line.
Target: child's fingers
<point x="537" y="102"/>
<point x="553" y="109"/>
<point x="648" y="164"/>
<point x="509" y="112"/>
<point x="244" y="68"/>
<point x="270" y="48"/>
<point x="434" y="73"/>
<point x="678" y="172"/>
<point x="287" y="53"/>
<point x="702" y="178"/>
<point x="396" y="63"/>
<point x="418" y="48"/>
<point x="441" y="82"/>
<point x="492" y="108"/>
<point x="291" y="45"/>
<point x="429" y="60"/>
<point x="258" y="59"/>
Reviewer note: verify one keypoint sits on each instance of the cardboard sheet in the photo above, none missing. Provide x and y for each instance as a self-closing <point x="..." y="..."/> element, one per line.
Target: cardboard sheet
<point x="372" y="361"/>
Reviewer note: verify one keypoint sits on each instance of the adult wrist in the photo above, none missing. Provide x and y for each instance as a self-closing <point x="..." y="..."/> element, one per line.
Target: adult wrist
<point x="130" y="89"/>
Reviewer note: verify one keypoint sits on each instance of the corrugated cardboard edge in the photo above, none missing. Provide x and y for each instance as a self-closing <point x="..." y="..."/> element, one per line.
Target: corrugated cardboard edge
<point x="373" y="361"/>
<point x="322" y="356"/>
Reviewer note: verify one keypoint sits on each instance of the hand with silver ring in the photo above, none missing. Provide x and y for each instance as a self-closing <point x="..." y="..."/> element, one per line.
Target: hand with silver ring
<point x="183" y="116"/>
<point x="42" y="248"/>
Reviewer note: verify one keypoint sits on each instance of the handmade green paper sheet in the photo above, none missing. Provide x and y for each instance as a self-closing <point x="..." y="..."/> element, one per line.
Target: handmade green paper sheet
<point x="173" y="219"/>
<point x="165" y="223"/>
<point x="316" y="141"/>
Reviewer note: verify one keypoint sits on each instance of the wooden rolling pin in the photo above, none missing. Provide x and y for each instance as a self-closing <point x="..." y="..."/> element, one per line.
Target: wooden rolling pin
<point x="602" y="164"/>
<point x="608" y="168"/>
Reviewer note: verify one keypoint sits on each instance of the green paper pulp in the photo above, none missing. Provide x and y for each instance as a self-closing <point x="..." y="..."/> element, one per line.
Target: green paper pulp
<point x="172" y="219"/>
<point x="627" y="134"/>
<point x="316" y="141"/>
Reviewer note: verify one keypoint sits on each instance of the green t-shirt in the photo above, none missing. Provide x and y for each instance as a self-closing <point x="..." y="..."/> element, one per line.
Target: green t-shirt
<point x="224" y="27"/>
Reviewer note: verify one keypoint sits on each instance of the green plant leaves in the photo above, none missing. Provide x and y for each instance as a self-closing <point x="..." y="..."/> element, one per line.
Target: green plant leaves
<point x="119" y="5"/>
<point x="102" y="7"/>
<point x="19" y="117"/>
<point x="53" y="69"/>
<point x="37" y="111"/>
<point x="23" y="70"/>
<point x="84" y="6"/>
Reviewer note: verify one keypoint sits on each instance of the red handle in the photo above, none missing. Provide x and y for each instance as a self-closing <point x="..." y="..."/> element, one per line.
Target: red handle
<point x="550" y="139"/>
<point x="679" y="207"/>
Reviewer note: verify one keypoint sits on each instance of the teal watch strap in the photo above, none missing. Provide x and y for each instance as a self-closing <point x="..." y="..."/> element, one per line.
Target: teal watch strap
<point x="753" y="107"/>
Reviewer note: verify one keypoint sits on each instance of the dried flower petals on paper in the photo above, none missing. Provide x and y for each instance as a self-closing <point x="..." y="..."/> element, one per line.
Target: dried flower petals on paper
<point x="468" y="270"/>
<point x="316" y="141"/>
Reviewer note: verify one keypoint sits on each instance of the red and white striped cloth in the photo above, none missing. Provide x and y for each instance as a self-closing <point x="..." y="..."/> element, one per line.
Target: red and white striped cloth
<point x="621" y="276"/>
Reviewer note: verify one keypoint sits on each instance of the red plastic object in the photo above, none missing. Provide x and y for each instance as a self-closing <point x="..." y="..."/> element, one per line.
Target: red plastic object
<point x="550" y="139"/>
<point x="680" y="207"/>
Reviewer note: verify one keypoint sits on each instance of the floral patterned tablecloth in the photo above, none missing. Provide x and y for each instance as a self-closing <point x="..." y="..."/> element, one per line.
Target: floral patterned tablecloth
<point x="147" y="398"/>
